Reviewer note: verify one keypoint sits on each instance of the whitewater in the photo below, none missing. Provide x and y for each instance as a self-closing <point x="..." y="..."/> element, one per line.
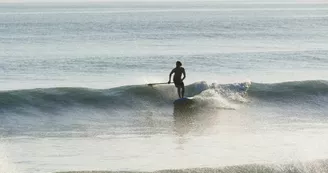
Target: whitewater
<point x="74" y="93"/>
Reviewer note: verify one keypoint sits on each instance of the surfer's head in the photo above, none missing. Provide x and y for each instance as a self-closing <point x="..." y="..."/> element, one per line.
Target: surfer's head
<point x="178" y="64"/>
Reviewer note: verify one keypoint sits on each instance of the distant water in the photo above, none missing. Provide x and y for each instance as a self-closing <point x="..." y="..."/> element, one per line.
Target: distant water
<point x="74" y="93"/>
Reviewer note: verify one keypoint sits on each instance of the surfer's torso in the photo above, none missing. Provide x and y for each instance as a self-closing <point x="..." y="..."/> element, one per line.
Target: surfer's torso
<point x="178" y="71"/>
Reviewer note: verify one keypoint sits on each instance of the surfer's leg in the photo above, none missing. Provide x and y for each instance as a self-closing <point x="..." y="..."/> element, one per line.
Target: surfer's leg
<point x="176" y="83"/>
<point x="179" y="93"/>
<point x="183" y="89"/>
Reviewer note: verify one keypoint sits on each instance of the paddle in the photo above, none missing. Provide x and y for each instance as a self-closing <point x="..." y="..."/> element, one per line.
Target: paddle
<point x="151" y="84"/>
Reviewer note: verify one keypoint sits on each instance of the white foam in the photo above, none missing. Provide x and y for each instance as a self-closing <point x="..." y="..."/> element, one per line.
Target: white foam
<point x="6" y="165"/>
<point x="211" y="98"/>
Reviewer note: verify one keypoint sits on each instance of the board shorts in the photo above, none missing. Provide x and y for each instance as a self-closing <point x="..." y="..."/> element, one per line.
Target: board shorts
<point x="178" y="83"/>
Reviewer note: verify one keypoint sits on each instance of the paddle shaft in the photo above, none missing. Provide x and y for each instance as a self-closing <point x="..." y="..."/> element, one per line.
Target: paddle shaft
<point x="157" y="83"/>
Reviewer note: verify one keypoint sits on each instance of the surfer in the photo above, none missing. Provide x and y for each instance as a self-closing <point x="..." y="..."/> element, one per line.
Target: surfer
<point x="178" y="81"/>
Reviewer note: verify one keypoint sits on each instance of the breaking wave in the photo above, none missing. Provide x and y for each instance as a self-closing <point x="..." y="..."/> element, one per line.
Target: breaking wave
<point x="144" y="95"/>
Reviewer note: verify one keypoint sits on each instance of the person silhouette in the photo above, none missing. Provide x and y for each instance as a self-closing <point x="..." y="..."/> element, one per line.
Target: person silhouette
<point x="178" y="81"/>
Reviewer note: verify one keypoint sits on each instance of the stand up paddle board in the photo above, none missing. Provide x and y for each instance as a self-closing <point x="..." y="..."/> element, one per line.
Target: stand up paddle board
<point x="184" y="101"/>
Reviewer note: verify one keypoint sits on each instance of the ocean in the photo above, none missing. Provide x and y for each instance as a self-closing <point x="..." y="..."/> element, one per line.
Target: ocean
<point x="74" y="93"/>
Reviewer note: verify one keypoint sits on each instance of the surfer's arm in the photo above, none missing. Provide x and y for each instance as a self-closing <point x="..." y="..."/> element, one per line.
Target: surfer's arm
<point x="184" y="74"/>
<point x="170" y="76"/>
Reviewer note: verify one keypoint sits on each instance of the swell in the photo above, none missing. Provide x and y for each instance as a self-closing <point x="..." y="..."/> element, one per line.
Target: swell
<point x="143" y="95"/>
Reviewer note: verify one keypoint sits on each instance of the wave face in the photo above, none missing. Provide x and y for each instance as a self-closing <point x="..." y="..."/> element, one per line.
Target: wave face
<point x="293" y="90"/>
<point x="125" y="96"/>
<point x="143" y="95"/>
<point x="53" y="97"/>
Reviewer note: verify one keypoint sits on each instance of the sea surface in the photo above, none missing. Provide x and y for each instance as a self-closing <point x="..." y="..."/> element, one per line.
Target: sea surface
<point x="74" y="93"/>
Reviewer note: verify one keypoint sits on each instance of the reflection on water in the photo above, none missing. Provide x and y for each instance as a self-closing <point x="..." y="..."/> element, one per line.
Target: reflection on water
<point x="193" y="119"/>
<point x="190" y="120"/>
